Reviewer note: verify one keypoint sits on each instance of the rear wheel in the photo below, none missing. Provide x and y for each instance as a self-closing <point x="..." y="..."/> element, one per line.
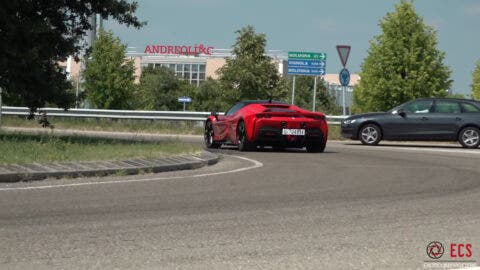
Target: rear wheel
<point x="243" y="143"/>
<point x="469" y="137"/>
<point x="208" y="136"/>
<point x="370" y="134"/>
<point x="317" y="146"/>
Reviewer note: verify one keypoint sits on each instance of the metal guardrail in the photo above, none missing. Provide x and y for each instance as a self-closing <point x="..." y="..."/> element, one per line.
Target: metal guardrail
<point x="335" y="119"/>
<point x="128" y="114"/>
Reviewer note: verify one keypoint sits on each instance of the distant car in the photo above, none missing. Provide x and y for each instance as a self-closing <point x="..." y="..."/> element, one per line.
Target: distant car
<point x="253" y="123"/>
<point x="428" y="119"/>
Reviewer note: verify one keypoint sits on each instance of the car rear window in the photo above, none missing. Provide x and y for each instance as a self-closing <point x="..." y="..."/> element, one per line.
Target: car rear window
<point x="447" y="106"/>
<point x="279" y="109"/>
<point x="469" y="108"/>
<point x="235" y="108"/>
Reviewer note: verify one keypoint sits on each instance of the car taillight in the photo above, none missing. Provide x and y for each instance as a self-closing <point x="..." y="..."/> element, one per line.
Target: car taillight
<point x="319" y="117"/>
<point x="263" y="115"/>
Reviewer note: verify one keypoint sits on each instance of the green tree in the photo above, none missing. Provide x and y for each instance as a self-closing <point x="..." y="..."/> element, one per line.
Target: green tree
<point x="304" y="95"/>
<point x="403" y="63"/>
<point x="209" y="96"/>
<point x="159" y="89"/>
<point x="457" y="95"/>
<point x="36" y="35"/>
<point x="251" y="74"/>
<point x="476" y="82"/>
<point x="108" y="76"/>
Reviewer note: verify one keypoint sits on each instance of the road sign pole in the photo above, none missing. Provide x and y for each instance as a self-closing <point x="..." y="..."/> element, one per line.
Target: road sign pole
<point x="76" y="92"/>
<point x="184" y="106"/>
<point x="344" y="76"/>
<point x="293" y="91"/>
<point x="314" y="92"/>
<point x="0" y="106"/>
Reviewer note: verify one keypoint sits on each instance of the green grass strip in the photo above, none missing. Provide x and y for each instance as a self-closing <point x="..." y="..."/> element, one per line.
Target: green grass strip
<point x="143" y="126"/>
<point x="26" y="148"/>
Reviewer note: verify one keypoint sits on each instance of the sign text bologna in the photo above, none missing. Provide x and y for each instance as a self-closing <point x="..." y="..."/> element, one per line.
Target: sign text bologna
<point x="306" y="63"/>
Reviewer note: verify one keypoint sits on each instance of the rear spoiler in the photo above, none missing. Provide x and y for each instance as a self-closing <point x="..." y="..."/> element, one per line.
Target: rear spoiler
<point x="291" y="114"/>
<point x="277" y="105"/>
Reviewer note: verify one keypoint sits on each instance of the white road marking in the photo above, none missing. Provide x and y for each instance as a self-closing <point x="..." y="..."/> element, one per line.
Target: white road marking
<point x="256" y="164"/>
<point x="421" y="149"/>
<point x="414" y="149"/>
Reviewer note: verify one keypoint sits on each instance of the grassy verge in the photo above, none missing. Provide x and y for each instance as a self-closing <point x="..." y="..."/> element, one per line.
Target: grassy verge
<point x="23" y="148"/>
<point x="334" y="133"/>
<point x="141" y="126"/>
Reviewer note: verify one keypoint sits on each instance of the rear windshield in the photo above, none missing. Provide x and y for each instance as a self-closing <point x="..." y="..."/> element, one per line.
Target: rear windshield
<point x="279" y="109"/>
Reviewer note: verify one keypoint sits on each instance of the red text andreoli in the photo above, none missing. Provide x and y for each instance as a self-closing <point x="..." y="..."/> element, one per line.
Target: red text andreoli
<point x="179" y="49"/>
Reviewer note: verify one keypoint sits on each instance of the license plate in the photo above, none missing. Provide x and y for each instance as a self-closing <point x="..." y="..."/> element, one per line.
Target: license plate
<point x="293" y="131"/>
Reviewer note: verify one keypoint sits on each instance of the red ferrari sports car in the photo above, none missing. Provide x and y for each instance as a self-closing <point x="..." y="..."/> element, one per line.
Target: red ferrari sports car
<point x="249" y="124"/>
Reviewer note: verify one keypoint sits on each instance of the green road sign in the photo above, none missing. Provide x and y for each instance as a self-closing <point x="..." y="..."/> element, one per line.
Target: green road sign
<point x="307" y="55"/>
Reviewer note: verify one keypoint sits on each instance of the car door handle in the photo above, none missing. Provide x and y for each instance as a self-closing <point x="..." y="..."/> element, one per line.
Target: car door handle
<point x="424" y="118"/>
<point x="458" y="119"/>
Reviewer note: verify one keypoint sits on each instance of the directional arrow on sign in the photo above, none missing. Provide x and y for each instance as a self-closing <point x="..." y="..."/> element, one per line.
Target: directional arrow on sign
<point x="343" y="52"/>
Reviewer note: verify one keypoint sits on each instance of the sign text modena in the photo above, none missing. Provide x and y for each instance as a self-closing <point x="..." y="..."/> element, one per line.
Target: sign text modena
<point x="176" y="49"/>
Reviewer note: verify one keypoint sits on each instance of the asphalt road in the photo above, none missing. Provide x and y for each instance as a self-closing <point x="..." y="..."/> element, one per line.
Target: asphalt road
<point x="352" y="207"/>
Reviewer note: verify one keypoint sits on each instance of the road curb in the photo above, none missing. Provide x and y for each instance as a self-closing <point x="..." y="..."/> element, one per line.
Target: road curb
<point x="36" y="171"/>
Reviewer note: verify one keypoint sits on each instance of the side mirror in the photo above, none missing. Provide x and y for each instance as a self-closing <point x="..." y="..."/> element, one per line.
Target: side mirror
<point x="402" y="112"/>
<point x="214" y="114"/>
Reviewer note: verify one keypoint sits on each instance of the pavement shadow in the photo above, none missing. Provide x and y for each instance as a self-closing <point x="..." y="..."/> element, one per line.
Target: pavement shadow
<point x="234" y="149"/>
<point x="412" y="145"/>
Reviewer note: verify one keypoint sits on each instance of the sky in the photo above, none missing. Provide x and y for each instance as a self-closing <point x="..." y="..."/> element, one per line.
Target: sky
<point x="307" y="25"/>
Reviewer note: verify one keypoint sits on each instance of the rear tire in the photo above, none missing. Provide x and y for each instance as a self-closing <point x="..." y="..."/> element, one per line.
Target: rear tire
<point x="469" y="137"/>
<point x="243" y="143"/>
<point x="208" y="136"/>
<point x="317" y="146"/>
<point x="370" y="134"/>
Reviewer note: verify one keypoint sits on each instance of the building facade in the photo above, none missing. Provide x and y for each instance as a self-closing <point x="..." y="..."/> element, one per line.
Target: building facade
<point x="195" y="63"/>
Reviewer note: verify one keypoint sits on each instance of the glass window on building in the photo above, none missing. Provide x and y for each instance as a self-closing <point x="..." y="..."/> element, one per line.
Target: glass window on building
<point x="194" y="73"/>
<point x="179" y="68"/>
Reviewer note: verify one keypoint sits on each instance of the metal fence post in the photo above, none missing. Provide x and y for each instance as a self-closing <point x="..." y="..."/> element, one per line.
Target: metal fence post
<point x="314" y="92"/>
<point x="293" y="91"/>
